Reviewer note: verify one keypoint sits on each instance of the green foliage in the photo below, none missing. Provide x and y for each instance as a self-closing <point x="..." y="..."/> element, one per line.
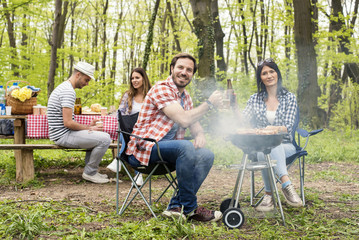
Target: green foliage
<point x="345" y="114"/>
<point x="334" y="146"/>
<point x="26" y="225"/>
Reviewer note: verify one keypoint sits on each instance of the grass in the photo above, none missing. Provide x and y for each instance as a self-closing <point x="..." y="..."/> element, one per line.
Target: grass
<point x="335" y="219"/>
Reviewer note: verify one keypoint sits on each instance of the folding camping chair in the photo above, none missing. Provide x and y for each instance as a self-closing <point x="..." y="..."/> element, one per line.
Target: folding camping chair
<point x="300" y="155"/>
<point x="126" y="124"/>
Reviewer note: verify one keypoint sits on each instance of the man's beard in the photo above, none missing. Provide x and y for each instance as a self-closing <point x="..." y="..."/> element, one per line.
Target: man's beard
<point x="177" y="82"/>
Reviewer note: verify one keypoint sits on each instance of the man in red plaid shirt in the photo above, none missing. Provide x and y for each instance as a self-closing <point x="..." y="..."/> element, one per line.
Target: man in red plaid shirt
<point x="166" y="112"/>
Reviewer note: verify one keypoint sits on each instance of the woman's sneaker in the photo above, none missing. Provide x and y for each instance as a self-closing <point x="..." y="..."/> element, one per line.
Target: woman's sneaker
<point x="139" y="180"/>
<point x="266" y="205"/>
<point x="113" y="166"/>
<point x="202" y="214"/>
<point x="291" y="196"/>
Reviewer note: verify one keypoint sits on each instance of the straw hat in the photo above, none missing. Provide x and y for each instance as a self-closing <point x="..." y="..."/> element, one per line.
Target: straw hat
<point x="86" y="69"/>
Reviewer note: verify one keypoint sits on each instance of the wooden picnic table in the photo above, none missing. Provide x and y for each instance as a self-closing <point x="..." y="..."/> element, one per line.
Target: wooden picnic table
<point x="37" y="128"/>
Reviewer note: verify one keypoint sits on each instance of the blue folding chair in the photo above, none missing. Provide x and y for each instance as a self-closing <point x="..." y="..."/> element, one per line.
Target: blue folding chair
<point x="126" y="124"/>
<point x="300" y="151"/>
<point x="297" y="134"/>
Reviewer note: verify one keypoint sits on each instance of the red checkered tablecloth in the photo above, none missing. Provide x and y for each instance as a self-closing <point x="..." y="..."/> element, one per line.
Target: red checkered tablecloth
<point x="38" y="127"/>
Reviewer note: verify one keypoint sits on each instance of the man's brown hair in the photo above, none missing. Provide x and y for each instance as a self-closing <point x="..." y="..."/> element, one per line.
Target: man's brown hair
<point x="183" y="55"/>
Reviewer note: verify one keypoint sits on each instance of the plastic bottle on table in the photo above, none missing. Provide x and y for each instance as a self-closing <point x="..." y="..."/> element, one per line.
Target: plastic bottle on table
<point x="2" y="101"/>
<point x="14" y="86"/>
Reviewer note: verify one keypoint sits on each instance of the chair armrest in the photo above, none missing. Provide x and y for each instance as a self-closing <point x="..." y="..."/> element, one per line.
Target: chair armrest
<point x="138" y="137"/>
<point x="311" y="133"/>
<point x="306" y="134"/>
<point x="145" y="139"/>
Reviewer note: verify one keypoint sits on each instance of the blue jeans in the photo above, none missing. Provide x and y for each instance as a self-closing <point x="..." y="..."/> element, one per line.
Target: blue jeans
<point x="192" y="168"/>
<point x="279" y="153"/>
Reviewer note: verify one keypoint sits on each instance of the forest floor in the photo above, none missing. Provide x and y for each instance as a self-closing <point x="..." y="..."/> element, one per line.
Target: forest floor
<point x="330" y="181"/>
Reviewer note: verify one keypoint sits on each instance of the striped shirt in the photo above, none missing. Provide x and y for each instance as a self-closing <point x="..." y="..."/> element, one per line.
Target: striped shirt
<point x="63" y="96"/>
<point x="152" y="122"/>
<point x="256" y="112"/>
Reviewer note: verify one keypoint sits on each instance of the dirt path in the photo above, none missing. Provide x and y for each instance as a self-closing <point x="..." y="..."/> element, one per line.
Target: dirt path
<point x="328" y="179"/>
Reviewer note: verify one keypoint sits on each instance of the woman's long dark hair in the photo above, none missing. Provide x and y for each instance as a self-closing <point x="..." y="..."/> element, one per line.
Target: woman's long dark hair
<point x="132" y="91"/>
<point x="260" y="85"/>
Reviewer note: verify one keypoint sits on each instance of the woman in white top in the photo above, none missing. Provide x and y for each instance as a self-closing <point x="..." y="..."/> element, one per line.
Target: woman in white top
<point x="132" y="101"/>
<point x="273" y="106"/>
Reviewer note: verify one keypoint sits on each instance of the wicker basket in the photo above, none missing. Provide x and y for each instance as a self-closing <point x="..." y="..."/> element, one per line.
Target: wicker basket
<point x="18" y="107"/>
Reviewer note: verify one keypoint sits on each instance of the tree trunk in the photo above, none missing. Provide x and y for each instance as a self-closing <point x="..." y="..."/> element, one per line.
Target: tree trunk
<point x="245" y="38"/>
<point x="62" y="25"/>
<point x="308" y="89"/>
<point x="351" y="70"/>
<point x="163" y="45"/>
<point x="104" y="42"/>
<point x="174" y="28"/>
<point x="287" y="37"/>
<point x="54" y="42"/>
<point x="219" y="35"/>
<point x="205" y="33"/>
<point x="150" y="35"/>
<point x="12" y="40"/>
<point x="73" y="6"/>
<point x="24" y="36"/>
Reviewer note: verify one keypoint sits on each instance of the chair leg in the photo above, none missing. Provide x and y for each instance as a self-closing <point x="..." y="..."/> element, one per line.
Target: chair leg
<point x="117" y="185"/>
<point x="126" y="203"/>
<point x="168" y="186"/>
<point x="301" y="176"/>
<point x="150" y="192"/>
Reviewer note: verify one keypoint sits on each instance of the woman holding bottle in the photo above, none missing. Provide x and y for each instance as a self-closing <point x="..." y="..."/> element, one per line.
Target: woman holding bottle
<point x="132" y="101"/>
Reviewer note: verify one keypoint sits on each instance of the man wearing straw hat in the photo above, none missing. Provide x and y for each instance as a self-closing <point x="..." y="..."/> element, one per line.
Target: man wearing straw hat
<point x="66" y="132"/>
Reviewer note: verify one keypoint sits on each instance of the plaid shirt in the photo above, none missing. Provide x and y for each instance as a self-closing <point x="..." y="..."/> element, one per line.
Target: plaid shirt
<point x="124" y="105"/>
<point x="255" y="112"/>
<point x="152" y="122"/>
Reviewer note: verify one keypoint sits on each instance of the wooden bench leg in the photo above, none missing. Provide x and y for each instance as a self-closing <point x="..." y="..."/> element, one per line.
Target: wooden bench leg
<point x="24" y="165"/>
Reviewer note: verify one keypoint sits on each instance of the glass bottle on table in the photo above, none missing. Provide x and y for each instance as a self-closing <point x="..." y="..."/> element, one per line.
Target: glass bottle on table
<point x="78" y="106"/>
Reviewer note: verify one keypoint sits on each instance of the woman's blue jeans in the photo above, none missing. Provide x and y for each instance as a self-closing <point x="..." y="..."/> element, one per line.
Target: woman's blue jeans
<point x="192" y="168"/>
<point x="279" y="153"/>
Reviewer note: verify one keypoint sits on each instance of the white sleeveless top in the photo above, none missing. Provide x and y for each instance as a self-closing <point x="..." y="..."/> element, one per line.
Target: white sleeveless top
<point x="136" y="107"/>
<point x="271" y="116"/>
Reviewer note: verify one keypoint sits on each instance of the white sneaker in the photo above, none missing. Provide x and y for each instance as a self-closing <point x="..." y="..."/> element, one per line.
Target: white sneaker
<point x="95" y="178"/>
<point x="103" y="175"/>
<point x="139" y="180"/>
<point x="113" y="166"/>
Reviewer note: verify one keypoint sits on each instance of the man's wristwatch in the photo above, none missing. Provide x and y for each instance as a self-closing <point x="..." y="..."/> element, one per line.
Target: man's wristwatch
<point x="210" y="105"/>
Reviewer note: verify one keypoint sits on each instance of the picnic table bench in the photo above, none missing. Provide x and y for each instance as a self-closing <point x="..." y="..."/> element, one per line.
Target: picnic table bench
<point x="38" y="129"/>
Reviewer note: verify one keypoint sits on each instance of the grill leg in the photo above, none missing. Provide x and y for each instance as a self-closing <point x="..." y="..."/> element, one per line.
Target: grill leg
<point x="239" y="181"/>
<point x="274" y="186"/>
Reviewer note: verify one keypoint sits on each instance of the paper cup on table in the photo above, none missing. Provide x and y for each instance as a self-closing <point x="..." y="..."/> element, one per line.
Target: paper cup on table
<point x="99" y="123"/>
<point x="43" y="110"/>
<point x="8" y="110"/>
<point x="103" y="111"/>
<point x="36" y="110"/>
